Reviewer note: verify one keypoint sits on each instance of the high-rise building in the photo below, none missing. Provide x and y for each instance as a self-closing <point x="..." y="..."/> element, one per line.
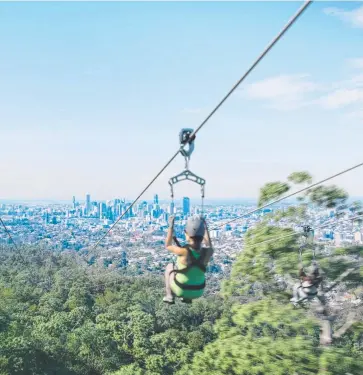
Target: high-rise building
<point x="186" y="205"/>
<point x="109" y="213"/>
<point x="156" y="211"/>
<point x="171" y="208"/>
<point x="74" y="202"/>
<point x="214" y="233"/>
<point x="156" y="199"/>
<point x="102" y="210"/>
<point x="88" y="204"/>
<point x="130" y="212"/>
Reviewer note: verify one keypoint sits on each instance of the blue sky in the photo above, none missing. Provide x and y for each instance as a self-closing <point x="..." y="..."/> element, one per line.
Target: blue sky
<point x="93" y="95"/>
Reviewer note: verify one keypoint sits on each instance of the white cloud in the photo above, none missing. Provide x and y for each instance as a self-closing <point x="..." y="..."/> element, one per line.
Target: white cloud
<point x="353" y="17"/>
<point x="357" y="80"/>
<point x="355" y="115"/>
<point x="341" y="98"/>
<point x="353" y="82"/>
<point x="290" y="92"/>
<point x="284" y="92"/>
<point x="281" y="86"/>
<point x="356" y="63"/>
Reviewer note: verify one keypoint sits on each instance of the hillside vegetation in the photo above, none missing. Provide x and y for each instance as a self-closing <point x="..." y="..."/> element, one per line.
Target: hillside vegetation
<point x="58" y="315"/>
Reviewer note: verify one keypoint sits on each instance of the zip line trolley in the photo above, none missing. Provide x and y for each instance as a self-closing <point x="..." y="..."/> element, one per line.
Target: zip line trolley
<point x="187" y="138"/>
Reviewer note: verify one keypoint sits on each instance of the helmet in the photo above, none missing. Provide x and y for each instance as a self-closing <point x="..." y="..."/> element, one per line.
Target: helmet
<point x="195" y="227"/>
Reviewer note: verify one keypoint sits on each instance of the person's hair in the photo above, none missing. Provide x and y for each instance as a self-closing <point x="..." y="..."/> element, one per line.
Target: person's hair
<point x="197" y="241"/>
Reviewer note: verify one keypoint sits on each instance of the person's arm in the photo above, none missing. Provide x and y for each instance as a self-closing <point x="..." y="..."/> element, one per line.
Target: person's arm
<point x="169" y="240"/>
<point x="207" y="241"/>
<point x="301" y="271"/>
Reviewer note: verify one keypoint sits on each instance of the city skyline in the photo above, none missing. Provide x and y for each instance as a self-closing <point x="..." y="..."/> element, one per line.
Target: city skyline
<point x="98" y="104"/>
<point x="77" y="227"/>
<point x="193" y="200"/>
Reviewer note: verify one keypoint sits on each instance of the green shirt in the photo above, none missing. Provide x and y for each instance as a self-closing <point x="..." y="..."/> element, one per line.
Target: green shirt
<point x="194" y="276"/>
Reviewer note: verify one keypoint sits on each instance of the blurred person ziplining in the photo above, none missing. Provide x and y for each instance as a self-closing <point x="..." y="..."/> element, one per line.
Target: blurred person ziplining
<point x="307" y="288"/>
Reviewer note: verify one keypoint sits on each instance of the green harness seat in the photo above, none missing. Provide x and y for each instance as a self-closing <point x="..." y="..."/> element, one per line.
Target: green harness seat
<point x="189" y="281"/>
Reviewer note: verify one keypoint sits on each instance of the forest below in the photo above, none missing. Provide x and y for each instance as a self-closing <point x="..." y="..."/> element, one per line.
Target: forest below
<point x="59" y="315"/>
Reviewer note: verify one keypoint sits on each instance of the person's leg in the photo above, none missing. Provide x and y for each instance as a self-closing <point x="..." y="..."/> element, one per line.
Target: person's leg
<point x="295" y="297"/>
<point x="169" y="277"/>
<point x="302" y="294"/>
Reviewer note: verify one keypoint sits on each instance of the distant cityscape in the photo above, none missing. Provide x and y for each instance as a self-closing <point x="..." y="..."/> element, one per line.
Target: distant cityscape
<point x="111" y="210"/>
<point x="138" y="238"/>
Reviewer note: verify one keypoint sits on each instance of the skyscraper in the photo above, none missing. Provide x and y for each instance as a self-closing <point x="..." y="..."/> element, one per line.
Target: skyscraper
<point x="88" y="204"/>
<point x="74" y="202"/>
<point x="186" y="206"/>
<point x="102" y="210"/>
<point x="156" y="208"/>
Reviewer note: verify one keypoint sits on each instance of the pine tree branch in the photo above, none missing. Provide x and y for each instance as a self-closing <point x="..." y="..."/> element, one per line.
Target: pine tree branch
<point x="350" y="321"/>
<point x="341" y="278"/>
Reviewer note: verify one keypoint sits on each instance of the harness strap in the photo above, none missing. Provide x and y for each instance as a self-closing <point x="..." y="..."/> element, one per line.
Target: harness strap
<point x="308" y="293"/>
<point x="189" y="287"/>
<point x="315" y="283"/>
<point x="192" y="262"/>
<point x="177" y="243"/>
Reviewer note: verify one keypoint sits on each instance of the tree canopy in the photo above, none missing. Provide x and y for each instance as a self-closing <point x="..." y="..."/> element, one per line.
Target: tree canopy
<point x="61" y="315"/>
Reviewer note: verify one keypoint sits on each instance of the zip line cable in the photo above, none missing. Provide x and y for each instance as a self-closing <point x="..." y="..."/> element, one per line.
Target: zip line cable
<point x="192" y="136"/>
<point x="9" y="234"/>
<point x="298" y="234"/>
<point x="276" y="238"/>
<point x="289" y="195"/>
<point x="12" y="240"/>
<point x="262" y="55"/>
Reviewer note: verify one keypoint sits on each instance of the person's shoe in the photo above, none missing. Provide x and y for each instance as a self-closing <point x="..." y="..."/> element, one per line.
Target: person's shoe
<point x="185" y="300"/>
<point x="169" y="300"/>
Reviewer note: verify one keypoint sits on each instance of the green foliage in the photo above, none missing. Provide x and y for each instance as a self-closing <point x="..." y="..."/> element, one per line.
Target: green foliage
<point x="60" y="316"/>
<point x="338" y="361"/>
<point x="356" y="206"/>
<point x="300" y="178"/>
<point x="261" y="337"/>
<point x="253" y="272"/>
<point x="271" y="191"/>
<point x="265" y="270"/>
<point x="327" y="196"/>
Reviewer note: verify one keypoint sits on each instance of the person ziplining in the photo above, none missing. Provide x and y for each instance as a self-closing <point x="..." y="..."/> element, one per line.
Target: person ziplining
<point x="307" y="288"/>
<point x="186" y="278"/>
